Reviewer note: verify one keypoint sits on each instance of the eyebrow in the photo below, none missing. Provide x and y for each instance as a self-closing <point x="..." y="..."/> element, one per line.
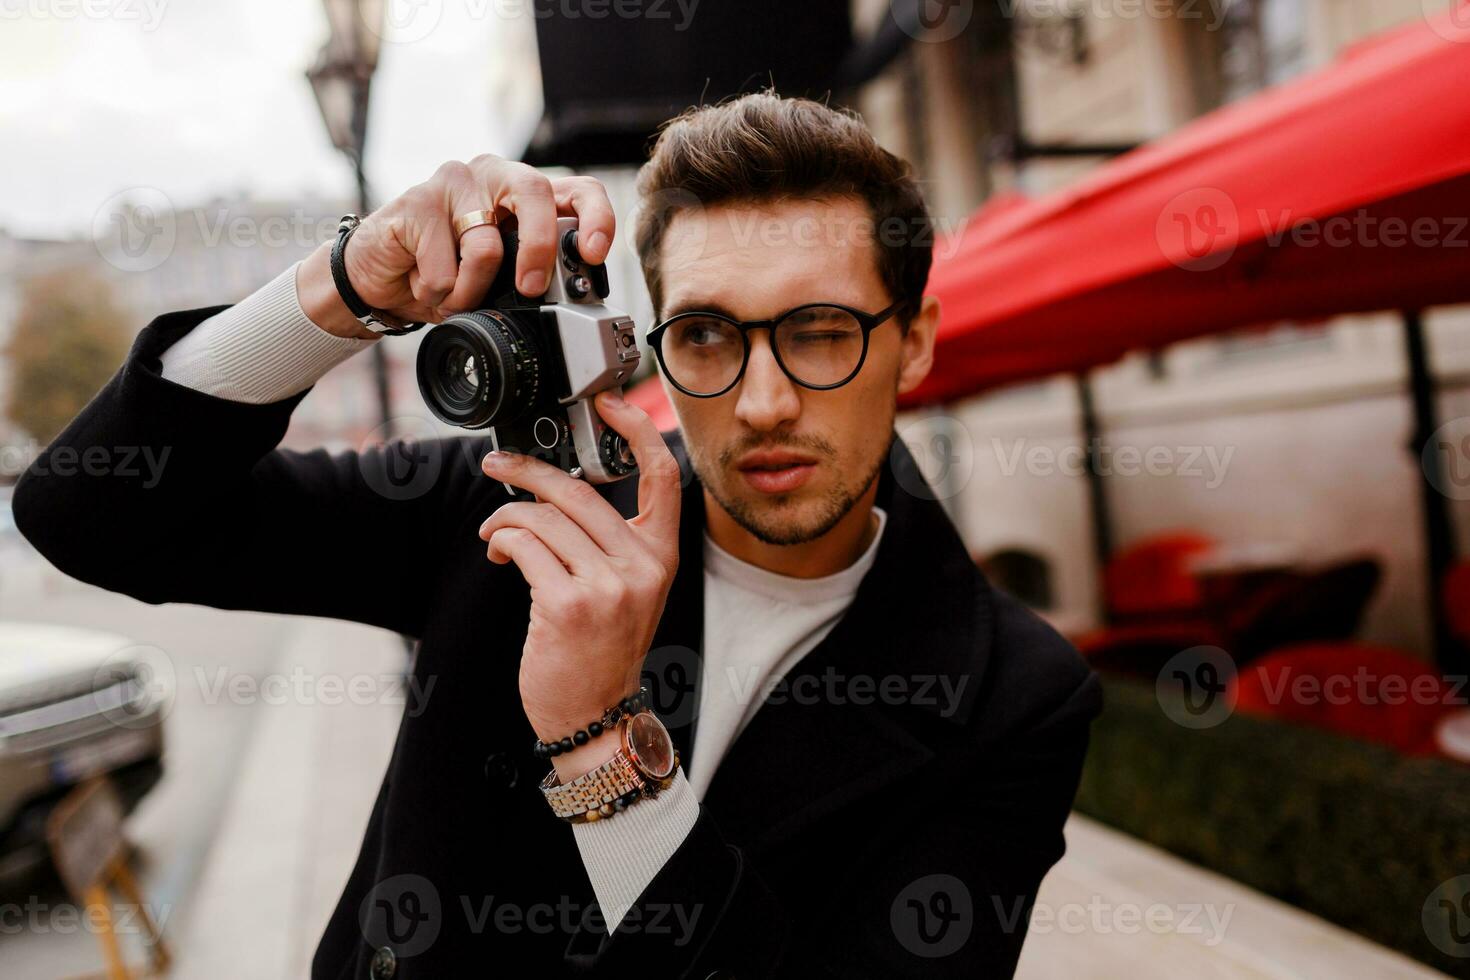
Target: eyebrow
<point x="697" y="307"/>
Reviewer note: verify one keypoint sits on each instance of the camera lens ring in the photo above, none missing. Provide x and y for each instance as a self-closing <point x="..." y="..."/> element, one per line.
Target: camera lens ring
<point x="617" y="454"/>
<point x="477" y="369"/>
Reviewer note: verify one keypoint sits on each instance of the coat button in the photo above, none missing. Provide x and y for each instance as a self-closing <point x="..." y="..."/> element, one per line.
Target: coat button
<point x="501" y="770"/>
<point x="384" y="964"/>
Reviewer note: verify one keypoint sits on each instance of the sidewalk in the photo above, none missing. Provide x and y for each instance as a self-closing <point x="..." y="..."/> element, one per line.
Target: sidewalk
<point x="295" y="820"/>
<point x="1218" y="927"/>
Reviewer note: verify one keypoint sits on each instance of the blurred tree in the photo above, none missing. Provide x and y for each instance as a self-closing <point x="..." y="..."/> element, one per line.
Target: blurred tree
<point x="67" y="341"/>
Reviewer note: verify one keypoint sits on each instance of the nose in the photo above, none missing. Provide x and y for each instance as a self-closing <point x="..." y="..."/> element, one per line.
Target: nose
<point x="767" y="397"/>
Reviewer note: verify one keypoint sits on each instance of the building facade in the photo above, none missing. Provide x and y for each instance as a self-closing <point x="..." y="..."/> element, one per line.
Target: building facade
<point x="1309" y="424"/>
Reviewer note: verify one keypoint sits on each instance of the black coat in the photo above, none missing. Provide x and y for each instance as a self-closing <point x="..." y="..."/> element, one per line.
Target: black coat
<point x="889" y="814"/>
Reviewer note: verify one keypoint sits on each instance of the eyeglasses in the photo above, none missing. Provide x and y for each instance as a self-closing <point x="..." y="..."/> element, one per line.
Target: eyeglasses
<point x="817" y="345"/>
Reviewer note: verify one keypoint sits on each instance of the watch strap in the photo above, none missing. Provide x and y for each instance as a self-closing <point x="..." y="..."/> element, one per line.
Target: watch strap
<point x="590" y="791"/>
<point x="595" y="794"/>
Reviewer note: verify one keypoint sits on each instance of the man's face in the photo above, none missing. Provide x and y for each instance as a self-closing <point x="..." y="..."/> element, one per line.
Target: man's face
<point x="784" y="461"/>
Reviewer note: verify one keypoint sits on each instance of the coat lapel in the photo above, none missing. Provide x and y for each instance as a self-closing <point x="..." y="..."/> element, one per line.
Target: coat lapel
<point x="870" y="702"/>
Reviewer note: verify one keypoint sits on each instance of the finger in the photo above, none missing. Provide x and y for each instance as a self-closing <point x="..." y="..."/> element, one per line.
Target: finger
<point x="414" y="310"/>
<point x="659" y="480"/>
<point x="435" y="262"/>
<point x="572" y="497"/>
<point x="480" y="248"/>
<point x="527" y="195"/>
<point x="480" y="252"/>
<point x="555" y="530"/>
<point x="586" y="198"/>
<point x="540" y="568"/>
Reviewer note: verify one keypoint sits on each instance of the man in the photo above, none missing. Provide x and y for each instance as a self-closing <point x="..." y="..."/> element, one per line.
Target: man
<point x="877" y="750"/>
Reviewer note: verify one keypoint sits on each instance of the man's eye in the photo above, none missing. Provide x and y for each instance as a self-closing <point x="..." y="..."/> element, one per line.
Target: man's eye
<point x="704" y="334"/>
<point x="814" y="337"/>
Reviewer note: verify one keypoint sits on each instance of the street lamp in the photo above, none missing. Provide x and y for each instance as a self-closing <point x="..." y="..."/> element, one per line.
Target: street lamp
<point x="340" y="79"/>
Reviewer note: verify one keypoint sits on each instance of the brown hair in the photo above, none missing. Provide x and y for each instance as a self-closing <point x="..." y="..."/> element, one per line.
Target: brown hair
<point x="762" y="147"/>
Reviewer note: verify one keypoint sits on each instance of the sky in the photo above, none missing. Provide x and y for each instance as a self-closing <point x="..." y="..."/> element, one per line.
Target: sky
<point x="198" y="98"/>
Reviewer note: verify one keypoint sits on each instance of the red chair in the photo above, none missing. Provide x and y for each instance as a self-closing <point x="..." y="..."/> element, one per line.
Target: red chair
<point x="1151" y="577"/>
<point x="1153" y="606"/>
<point x="1369" y="692"/>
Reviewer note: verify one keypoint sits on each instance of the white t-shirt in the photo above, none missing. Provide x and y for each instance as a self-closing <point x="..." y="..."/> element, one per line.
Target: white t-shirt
<point x="757" y="626"/>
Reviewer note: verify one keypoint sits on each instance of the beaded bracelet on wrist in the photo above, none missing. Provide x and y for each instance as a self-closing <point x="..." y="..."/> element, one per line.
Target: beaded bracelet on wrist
<point x="630" y="705"/>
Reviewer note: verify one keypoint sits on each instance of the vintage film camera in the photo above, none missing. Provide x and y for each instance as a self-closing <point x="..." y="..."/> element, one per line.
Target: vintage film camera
<point x="527" y="367"/>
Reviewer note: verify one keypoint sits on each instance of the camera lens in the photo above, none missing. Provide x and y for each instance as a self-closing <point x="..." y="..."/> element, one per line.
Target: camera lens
<point x="478" y="369"/>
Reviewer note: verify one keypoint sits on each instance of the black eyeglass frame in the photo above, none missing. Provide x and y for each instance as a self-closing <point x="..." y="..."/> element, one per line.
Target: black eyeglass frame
<point x="867" y="321"/>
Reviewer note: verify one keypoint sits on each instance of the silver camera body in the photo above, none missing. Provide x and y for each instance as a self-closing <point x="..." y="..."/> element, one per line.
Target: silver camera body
<point x="527" y="368"/>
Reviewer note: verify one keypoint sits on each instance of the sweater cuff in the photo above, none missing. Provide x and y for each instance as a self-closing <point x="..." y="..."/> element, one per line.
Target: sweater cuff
<point x="625" y="852"/>
<point x="261" y="350"/>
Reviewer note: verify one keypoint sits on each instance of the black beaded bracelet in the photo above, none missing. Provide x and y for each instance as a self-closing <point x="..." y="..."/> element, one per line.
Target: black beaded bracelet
<point x="630" y="705"/>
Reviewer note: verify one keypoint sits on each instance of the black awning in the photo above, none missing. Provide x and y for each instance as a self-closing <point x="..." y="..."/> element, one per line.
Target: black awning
<point x="609" y="81"/>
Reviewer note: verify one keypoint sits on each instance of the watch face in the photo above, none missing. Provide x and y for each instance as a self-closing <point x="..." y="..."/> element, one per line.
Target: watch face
<point x="649" y="746"/>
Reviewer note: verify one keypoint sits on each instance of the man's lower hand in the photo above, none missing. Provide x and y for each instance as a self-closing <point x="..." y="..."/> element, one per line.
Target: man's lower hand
<point x="598" y="582"/>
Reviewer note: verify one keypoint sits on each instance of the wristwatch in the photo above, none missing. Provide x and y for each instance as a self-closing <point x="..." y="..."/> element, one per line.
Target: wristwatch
<point x="644" y="765"/>
<point x="375" y="320"/>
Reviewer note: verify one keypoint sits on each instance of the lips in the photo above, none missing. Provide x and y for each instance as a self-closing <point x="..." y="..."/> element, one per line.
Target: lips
<point x="776" y="470"/>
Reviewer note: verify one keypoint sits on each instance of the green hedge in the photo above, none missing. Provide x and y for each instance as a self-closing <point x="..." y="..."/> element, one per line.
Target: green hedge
<point x="1345" y="829"/>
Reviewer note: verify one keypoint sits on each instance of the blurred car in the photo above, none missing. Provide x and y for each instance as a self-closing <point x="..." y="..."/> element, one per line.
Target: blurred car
<point x="74" y="703"/>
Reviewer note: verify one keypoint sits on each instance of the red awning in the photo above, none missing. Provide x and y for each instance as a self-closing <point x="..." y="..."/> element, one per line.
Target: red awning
<point x="1345" y="190"/>
<point x="1341" y="191"/>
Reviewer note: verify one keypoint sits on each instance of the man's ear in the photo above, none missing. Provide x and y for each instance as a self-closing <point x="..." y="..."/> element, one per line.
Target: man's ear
<point x="918" y="346"/>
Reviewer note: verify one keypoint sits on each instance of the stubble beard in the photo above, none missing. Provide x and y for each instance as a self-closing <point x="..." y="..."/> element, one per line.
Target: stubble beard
<point x="765" y="521"/>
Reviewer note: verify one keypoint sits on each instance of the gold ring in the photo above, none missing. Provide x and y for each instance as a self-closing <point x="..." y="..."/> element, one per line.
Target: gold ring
<point x="472" y="219"/>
